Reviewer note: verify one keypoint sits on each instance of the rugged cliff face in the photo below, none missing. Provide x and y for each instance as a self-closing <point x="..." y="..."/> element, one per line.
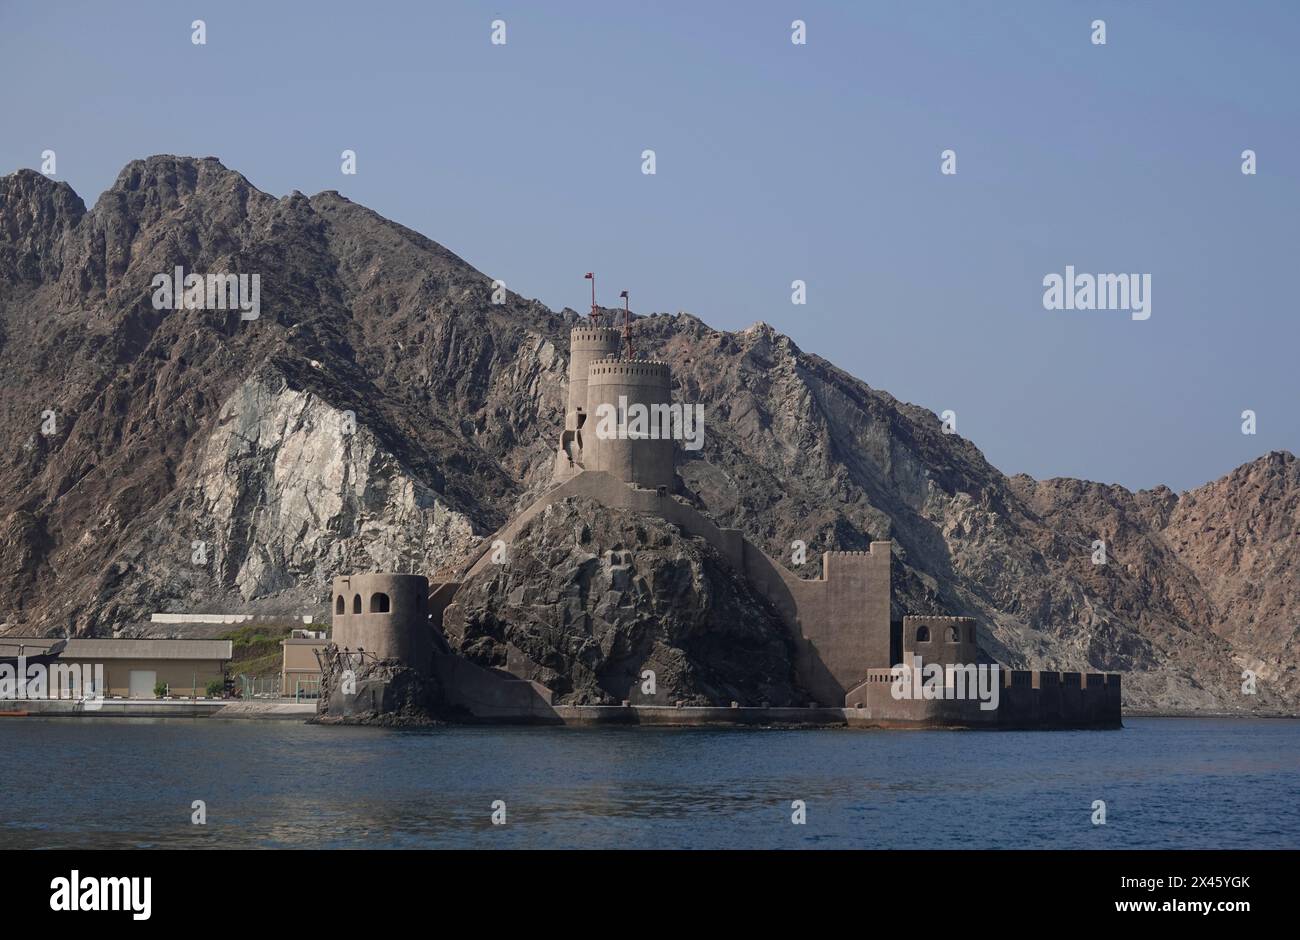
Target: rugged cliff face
<point x="587" y="599"/>
<point x="383" y="413"/>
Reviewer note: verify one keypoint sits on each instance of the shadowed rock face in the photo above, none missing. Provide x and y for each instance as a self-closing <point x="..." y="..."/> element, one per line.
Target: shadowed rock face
<point x="175" y="427"/>
<point x="588" y="598"/>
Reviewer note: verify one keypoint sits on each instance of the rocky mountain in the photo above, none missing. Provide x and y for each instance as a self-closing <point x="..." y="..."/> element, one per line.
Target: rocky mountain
<point x="383" y="413"/>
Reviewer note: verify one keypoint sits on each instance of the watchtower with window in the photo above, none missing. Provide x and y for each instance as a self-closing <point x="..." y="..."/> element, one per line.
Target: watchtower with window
<point x="943" y="640"/>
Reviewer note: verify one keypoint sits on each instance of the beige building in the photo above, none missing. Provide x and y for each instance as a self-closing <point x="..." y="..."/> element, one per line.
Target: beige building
<point x="132" y="668"/>
<point x="300" y="672"/>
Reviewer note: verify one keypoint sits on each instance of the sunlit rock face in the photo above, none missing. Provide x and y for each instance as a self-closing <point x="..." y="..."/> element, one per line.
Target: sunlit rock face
<point x="293" y="490"/>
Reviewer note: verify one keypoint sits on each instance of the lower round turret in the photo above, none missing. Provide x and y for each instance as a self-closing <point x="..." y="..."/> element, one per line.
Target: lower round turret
<point x="384" y="615"/>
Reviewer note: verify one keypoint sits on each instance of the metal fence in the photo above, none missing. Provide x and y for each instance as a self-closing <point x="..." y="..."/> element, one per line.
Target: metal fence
<point x="270" y="687"/>
<point x="259" y="686"/>
<point x="306" y="689"/>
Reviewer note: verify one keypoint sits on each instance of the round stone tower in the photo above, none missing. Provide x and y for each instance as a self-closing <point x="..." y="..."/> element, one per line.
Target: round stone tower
<point x="644" y="387"/>
<point x="587" y="343"/>
<point x="384" y="614"/>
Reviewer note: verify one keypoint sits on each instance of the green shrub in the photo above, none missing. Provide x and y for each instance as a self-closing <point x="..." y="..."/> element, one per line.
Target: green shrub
<point x="215" y="688"/>
<point x="159" y="689"/>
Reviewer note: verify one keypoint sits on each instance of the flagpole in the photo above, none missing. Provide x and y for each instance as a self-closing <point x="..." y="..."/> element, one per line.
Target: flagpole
<point x="595" y="314"/>
<point x="627" y="327"/>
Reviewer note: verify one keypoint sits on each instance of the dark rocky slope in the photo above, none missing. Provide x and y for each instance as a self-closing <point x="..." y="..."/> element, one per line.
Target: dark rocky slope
<point x="587" y="599"/>
<point x="176" y="427"/>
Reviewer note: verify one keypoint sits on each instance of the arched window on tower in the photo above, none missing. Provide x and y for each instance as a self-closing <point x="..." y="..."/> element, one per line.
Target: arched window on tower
<point x="923" y="634"/>
<point x="356" y="604"/>
<point x="379" y="603"/>
<point x="953" y="635"/>
<point x="340" y="605"/>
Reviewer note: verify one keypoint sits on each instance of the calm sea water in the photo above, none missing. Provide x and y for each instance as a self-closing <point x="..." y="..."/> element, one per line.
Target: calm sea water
<point x="1167" y="783"/>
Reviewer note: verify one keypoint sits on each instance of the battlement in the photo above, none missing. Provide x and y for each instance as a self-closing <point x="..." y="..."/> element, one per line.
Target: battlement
<point x="1050" y="679"/>
<point x="1027" y="699"/>
<point x="881" y="675"/>
<point x="885" y="546"/>
<point x="847" y="563"/>
<point x="854" y="566"/>
<point x="611" y="365"/>
<point x="590" y="332"/>
<point x="1033" y="698"/>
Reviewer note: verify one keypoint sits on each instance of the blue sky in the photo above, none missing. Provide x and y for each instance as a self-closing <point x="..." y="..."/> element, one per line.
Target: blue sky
<point x="776" y="162"/>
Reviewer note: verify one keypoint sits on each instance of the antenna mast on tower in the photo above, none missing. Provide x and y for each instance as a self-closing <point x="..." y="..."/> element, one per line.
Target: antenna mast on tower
<point x="595" y="312"/>
<point x="627" y="328"/>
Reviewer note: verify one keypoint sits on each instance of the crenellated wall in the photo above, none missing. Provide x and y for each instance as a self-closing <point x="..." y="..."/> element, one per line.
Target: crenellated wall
<point x="1026" y="699"/>
<point x="1037" y="698"/>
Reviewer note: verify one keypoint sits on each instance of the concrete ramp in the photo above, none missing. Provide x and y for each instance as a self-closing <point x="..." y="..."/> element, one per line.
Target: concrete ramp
<point x="489" y="695"/>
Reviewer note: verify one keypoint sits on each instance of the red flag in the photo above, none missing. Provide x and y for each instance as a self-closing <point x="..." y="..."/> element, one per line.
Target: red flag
<point x="623" y="294"/>
<point x="588" y="275"/>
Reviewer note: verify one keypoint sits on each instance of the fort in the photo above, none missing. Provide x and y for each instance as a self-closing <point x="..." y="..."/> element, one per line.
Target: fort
<point x="845" y="645"/>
